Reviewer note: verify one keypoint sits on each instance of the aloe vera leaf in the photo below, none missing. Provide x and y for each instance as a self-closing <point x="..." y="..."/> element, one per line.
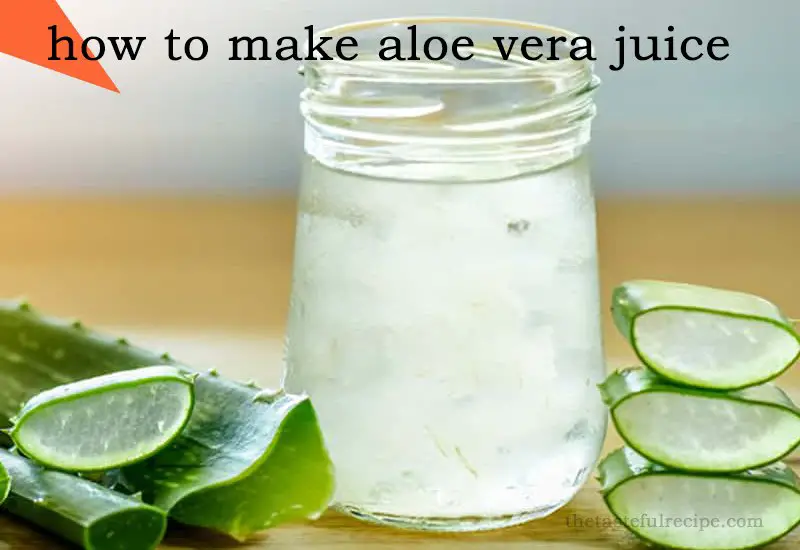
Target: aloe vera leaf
<point x="701" y="430"/>
<point x="79" y="510"/>
<point x="705" y="337"/>
<point x="239" y="476"/>
<point x="105" y="422"/>
<point x="247" y="460"/>
<point x="696" y="511"/>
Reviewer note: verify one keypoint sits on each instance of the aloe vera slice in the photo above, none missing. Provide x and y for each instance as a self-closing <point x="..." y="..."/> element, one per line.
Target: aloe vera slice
<point x="79" y="510"/>
<point x="105" y="422"/>
<point x="701" y="430"/>
<point x="705" y="337"/>
<point x="695" y="511"/>
<point x="248" y="459"/>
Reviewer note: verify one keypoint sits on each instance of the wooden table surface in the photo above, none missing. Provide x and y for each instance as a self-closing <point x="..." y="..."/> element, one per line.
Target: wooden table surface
<point x="208" y="279"/>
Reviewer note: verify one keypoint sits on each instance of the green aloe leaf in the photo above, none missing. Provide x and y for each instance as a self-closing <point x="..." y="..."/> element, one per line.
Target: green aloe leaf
<point x="79" y="510"/>
<point x="247" y="460"/>
<point x="253" y="461"/>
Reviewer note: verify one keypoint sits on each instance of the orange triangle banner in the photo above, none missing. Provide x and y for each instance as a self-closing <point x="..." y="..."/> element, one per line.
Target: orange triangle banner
<point x="24" y="34"/>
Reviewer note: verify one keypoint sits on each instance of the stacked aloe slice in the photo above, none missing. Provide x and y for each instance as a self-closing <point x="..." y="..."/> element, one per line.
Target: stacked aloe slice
<point x="706" y="430"/>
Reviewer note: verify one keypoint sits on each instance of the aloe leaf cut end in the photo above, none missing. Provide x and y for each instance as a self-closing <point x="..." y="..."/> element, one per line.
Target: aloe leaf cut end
<point x="79" y="510"/>
<point x="692" y="511"/>
<point x="109" y="532"/>
<point x="621" y="383"/>
<point x="705" y="337"/>
<point x="5" y="484"/>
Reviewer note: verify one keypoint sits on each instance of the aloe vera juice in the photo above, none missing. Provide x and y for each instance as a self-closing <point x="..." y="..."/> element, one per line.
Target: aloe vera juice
<point x="449" y="338"/>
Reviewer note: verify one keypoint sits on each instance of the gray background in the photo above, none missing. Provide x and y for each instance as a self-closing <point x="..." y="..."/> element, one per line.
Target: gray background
<point x="231" y="127"/>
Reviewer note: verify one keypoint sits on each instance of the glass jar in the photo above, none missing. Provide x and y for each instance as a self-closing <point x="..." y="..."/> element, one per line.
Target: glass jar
<point x="445" y="312"/>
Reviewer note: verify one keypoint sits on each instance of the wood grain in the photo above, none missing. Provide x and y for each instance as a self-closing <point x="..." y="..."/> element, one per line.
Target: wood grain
<point x="208" y="279"/>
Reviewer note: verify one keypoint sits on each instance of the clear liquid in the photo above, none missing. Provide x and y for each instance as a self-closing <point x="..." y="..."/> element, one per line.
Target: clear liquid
<point x="449" y="337"/>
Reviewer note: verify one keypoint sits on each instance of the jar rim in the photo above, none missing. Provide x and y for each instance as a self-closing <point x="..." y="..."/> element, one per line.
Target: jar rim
<point x="495" y="72"/>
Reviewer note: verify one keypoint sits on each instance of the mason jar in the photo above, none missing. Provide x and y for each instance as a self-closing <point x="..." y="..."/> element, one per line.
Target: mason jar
<point x="445" y="314"/>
